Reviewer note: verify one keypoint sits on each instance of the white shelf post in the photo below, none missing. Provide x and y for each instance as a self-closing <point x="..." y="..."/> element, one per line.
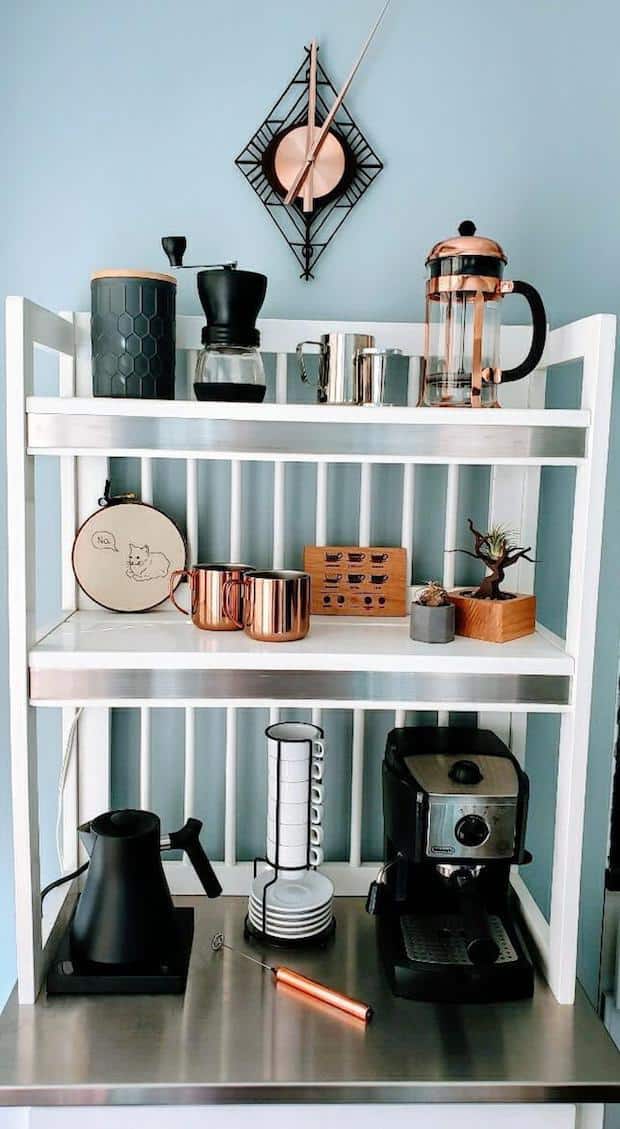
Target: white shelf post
<point x="22" y="629"/>
<point x="588" y="511"/>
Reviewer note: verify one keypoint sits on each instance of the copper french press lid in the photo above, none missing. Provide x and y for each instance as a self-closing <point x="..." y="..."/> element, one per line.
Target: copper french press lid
<point x="466" y="244"/>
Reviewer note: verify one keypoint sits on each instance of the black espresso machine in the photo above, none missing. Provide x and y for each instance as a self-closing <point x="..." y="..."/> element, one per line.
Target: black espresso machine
<point x="455" y="808"/>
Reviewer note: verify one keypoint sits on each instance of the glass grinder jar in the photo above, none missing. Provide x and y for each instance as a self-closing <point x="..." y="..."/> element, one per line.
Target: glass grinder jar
<point x="464" y="291"/>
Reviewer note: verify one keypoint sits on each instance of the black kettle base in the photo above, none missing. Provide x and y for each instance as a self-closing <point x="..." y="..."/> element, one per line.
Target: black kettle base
<point x="65" y="978"/>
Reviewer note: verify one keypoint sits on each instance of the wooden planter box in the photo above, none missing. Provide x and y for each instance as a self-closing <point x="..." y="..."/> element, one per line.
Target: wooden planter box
<point x="496" y="621"/>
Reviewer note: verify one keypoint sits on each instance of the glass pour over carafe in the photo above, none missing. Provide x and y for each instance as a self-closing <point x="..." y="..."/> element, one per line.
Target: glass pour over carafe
<point x="464" y="292"/>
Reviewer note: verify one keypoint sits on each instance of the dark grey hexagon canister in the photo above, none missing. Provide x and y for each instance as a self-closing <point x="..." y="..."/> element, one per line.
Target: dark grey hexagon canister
<point x="133" y="334"/>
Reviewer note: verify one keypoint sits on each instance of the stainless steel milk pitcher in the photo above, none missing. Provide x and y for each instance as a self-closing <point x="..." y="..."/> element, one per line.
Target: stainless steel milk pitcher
<point x="338" y="366"/>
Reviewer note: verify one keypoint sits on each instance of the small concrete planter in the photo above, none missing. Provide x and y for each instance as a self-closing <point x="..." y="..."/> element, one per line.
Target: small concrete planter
<point x="432" y="625"/>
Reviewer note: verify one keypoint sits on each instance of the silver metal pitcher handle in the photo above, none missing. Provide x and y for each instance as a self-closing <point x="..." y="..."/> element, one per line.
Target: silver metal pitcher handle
<point x="300" y="359"/>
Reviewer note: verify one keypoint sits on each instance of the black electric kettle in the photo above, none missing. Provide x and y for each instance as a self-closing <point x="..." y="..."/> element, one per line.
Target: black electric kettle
<point x="125" y="918"/>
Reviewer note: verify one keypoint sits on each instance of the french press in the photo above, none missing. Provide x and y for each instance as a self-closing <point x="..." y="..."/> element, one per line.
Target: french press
<point x="464" y="291"/>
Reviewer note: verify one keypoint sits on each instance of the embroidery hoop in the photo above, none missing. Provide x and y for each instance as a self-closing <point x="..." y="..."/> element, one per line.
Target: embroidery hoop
<point x="96" y="548"/>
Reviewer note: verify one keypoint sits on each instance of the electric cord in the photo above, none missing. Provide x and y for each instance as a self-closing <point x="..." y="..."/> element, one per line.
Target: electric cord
<point x="62" y="780"/>
<point x="61" y="881"/>
<point x="67" y="758"/>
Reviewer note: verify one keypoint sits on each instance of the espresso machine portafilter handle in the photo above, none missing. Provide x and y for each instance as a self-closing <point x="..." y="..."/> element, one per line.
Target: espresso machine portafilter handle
<point x="481" y="948"/>
<point x="187" y="839"/>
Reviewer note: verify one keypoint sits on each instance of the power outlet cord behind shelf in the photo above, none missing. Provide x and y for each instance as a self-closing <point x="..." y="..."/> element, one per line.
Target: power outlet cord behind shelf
<point x="67" y="759"/>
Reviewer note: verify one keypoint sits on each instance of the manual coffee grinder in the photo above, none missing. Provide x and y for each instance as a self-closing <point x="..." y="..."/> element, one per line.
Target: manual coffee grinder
<point x="464" y="292"/>
<point x="229" y="366"/>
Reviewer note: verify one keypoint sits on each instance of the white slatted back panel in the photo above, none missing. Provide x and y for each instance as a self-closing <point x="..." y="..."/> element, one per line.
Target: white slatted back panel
<point x="513" y="498"/>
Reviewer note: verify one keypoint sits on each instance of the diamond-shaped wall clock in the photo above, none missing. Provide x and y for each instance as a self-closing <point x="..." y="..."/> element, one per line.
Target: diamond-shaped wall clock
<point x="309" y="163"/>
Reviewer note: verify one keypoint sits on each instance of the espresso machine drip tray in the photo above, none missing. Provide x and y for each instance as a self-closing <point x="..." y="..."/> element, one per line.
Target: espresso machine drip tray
<point x="439" y="939"/>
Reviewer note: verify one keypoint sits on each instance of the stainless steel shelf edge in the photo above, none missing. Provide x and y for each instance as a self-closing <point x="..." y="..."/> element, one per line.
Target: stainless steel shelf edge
<point x="341" y="1093"/>
<point x="280" y="438"/>
<point x="102" y="685"/>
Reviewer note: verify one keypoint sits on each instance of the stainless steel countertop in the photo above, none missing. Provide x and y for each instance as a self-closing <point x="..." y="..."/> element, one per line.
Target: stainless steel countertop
<point x="236" y="1038"/>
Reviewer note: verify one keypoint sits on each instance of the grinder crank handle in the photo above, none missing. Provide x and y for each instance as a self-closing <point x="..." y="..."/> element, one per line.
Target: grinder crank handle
<point x="187" y="839"/>
<point x="481" y="948"/>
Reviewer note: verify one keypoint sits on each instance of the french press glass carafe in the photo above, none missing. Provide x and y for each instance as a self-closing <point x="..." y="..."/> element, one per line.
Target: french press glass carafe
<point x="464" y="291"/>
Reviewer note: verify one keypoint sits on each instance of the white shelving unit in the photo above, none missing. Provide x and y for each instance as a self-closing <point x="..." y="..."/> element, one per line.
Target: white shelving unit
<point x="96" y="660"/>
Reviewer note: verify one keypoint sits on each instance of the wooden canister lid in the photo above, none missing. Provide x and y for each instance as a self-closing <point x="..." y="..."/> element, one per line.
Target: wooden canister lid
<point x="126" y="273"/>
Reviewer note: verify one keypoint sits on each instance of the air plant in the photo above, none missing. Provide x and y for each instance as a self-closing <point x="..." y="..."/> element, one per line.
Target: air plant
<point x="497" y="549"/>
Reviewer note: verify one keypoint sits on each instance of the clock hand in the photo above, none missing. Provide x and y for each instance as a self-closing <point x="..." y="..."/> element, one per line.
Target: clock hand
<point x="307" y="193"/>
<point x="320" y="137"/>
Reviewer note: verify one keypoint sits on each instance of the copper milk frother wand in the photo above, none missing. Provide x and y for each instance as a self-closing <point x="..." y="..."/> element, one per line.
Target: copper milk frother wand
<point x="301" y="983"/>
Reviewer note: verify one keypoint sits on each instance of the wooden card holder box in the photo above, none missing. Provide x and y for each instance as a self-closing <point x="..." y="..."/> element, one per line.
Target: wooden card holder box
<point x="357" y="580"/>
<point x="495" y="621"/>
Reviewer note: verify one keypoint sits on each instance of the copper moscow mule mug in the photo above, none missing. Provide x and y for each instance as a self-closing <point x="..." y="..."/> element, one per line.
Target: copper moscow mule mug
<point x="207" y="583"/>
<point x="276" y="605"/>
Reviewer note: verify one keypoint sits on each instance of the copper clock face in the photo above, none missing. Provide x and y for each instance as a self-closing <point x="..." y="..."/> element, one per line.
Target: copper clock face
<point x="329" y="167"/>
<point x="344" y="167"/>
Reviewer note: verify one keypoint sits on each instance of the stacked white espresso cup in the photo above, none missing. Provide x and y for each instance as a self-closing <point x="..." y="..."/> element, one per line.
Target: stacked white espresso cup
<point x="289" y="900"/>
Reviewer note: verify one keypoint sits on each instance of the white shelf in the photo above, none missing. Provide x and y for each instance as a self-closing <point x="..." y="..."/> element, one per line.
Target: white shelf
<point x="160" y="640"/>
<point x="304" y="432"/>
<point x="93" y="655"/>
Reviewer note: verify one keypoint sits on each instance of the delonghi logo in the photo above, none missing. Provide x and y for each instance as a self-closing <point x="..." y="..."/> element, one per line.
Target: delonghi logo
<point x="442" y="850"/>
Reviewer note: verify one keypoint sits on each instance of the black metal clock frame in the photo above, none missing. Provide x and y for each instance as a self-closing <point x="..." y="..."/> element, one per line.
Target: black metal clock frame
<point x="308" y="234"/>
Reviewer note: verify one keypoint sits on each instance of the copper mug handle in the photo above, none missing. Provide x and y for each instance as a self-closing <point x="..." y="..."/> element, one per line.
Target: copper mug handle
<point x="180" y="573"/>
<point x="226" y="591"/>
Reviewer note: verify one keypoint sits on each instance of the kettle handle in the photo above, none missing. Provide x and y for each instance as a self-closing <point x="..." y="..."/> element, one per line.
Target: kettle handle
<point x="539" y="328"/>
<point x="187" y="839"/>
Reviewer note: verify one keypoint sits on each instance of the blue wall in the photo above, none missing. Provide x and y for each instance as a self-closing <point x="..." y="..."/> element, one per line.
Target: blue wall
<point x="120" y="121"/>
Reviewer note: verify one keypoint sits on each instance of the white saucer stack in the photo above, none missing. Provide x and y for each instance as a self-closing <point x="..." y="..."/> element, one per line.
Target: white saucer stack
<point x="296" y="908"/>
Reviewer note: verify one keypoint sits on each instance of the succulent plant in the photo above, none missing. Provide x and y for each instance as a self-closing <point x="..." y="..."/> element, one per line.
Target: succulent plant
<point x="433" y="596"/>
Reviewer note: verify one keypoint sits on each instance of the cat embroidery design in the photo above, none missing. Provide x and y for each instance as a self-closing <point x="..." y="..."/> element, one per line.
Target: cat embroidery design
<point x="145" y="565"/>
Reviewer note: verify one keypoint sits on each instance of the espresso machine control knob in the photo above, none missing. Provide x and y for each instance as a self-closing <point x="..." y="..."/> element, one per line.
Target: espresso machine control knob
<point x="472" y="831"/>
<point x="465" y="772"/>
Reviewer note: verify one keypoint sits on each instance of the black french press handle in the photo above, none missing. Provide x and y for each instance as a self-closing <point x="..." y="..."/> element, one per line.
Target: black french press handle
<point x="187" y="839"/>
<point x="539" y="332"/>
